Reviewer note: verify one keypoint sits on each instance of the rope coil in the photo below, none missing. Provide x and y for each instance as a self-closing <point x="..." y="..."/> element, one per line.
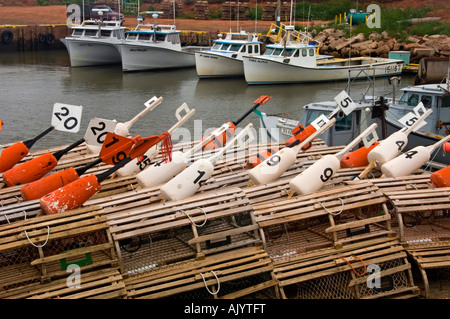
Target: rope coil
<point x="192" y="221"/>
<point x="334" y="214"/>
<point x="365" y="268"/>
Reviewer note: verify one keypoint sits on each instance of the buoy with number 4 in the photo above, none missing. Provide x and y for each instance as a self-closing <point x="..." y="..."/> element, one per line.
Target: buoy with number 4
<point x="411" y="160"/>
<point x="441" y="178"/>
<point x="273" y="167"/>
<point x="35" y="168"/>
<point x="314" y="177"/>
<point x="394" y="143"/>
<point x="187" y="182"/>
<point x="76" y="193"/>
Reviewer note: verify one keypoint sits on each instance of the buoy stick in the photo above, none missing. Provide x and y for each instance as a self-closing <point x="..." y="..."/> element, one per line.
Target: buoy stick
<point x="149" y="106"/>
<point x="358" y="139"/>
<point x="263" y="99"/>
<point x="30" y="143"/>
<point x="418" y="122"/>
<point x="435" y="146"/>
<point x="61" y="153"/>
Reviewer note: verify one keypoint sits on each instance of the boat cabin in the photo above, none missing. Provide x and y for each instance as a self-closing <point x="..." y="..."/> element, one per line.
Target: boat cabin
<point x="150" y="33"/>
<point x="238" y="43"/>
<point x="99" y="30"/>
<point x="433" y="96"/>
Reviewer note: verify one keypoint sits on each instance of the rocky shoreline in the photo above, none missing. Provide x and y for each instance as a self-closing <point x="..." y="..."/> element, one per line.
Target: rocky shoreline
<point x="333" y="42"/>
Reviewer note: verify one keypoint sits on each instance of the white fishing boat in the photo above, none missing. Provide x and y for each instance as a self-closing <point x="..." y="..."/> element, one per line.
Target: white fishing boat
<point x="92" y="43"/>
<point x="154" y="46"/>
<point x="224" y="58"/>
<point x="294" y="61"/>
<point x="368" y="111"/>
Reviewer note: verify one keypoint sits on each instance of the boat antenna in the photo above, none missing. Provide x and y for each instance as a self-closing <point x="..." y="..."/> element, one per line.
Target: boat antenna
<point x="256" y="16"/>
<point x="237" y="18"/>
<point x="173" y="12"/>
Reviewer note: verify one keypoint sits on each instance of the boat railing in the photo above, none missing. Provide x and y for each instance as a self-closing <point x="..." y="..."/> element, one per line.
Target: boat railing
<point x="281" y="30"/>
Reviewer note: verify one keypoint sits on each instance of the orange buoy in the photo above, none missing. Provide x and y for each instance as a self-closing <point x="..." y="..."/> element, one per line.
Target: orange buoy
<point x="301" y="134"/>
<point x="222" y="135"/>
<point x="30" y="171"/>
<point x="261" y="157"/>
<point x="441" y="178"/>
<point x="70" y="196"/>
<point x="47" y="184"/>
<point x="35" y="168"/>
<point x="12" y="155"/>
<point x="446" y="147"/>
<point x="357" y="158"/>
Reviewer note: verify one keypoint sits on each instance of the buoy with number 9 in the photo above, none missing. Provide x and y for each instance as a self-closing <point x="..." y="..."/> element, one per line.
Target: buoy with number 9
<point x="314" y="177"/>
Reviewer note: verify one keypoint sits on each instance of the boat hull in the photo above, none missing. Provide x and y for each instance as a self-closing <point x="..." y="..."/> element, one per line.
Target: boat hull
<point x="264" y="71"/>
<point x="90" y="53"/>
<point x="140" y="58"/>
<point x="210" y="65"/>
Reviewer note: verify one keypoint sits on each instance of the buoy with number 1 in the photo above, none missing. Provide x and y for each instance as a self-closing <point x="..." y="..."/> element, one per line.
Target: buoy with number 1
<point x="35" y="168"/>
<point x="187" y="182"/>
<point x="314" y="177"/>
<point x="76" y="193"/>
<point x="411" y="160"/>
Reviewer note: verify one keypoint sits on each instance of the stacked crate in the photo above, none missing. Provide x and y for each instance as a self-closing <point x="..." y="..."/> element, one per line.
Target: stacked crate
<point x="201" y="10"/>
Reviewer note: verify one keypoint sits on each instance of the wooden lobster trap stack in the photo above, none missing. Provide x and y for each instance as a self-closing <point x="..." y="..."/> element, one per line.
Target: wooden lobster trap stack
<point x="40" y="254"/>
<point x="321" y="242"/>
<point x="423" y="223"/>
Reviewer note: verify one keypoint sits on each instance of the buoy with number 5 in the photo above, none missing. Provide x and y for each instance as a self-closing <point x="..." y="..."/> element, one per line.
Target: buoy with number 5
<point x="314" y="177"/>
<point x="187" y="182"/>
<point x="408" y="162"/>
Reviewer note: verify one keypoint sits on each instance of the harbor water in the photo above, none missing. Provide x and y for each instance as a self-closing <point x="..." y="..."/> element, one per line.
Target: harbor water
<point x="31" y="82"/>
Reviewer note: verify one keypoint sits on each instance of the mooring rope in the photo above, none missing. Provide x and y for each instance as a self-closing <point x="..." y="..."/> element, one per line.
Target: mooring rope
<point x="218" y="283"/>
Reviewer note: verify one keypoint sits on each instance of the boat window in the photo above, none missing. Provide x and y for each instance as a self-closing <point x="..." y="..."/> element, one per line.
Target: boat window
<point x="78" y="32"/>
<point x="216" y="46"/>
<point x="225" y="46"/>
<point x="413" y="100"/>
<point x="244" y="48"/>
<point x="289" y="52"/>
<point x="297" y="53"/>
<point x="105" y="33"/>
<point x="117" y="34"/>
<point x="144" y="37"/>
<point x="304" y="52"/>
<point x="160" y="37"/>
<point x="250" y="49"/>
<point x="256" y="49"/>
<point x="90" y="33"/>
<point x="343" y="123"/>
<point x="446" y="101"/>
<point x="268" y="51"/>
<point x="312" y="115"/>
<point x="426" y="100"/>
<point x="131" y="36"/>
<point x="277" y="51"/>
<point x="235" y="47"/>
<point x="311" y="52"/>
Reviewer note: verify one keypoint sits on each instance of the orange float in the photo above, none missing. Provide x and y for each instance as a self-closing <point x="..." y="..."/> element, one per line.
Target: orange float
<point x="357" y="158"/>
<point x="441" y="178"/>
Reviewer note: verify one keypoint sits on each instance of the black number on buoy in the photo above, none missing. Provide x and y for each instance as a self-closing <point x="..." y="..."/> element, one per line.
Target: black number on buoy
<point x="400" y="144"/>
<point x="197" y="180"/>
<point x="68" y="120"/>
<point x="118" y="157"/>
<point x="101" y="136"/>
<point x="274" y="160"/>
<point x="145" y="162"/>
<point x="410" y="154"/>
<point x="327" y="173"/>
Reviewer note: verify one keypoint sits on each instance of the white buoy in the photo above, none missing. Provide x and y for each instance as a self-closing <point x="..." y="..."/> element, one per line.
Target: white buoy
<point x="161" y="172"/>
<point x="274" y="166"/>
<point x="408" y="162"/>
<point x="392" y="146"/>
<point x="135" y="166"/>
<point x="123" y="129"/>
<point x="313" y="178"/>
<point x="187" y="182"/>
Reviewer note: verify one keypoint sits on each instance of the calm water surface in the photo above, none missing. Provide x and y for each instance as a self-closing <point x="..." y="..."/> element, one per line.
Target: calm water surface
<point x="31" y="82"/>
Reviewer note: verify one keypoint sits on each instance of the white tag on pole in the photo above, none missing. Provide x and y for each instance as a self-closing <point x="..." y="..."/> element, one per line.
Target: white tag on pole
<point x="367" y="140"/>
<point x="319" y="122"/>
<point x="66" y="117"/>
<point x="345" y="102"/>
<point x="97" y="130"/>
<point x="412" y="117"/>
